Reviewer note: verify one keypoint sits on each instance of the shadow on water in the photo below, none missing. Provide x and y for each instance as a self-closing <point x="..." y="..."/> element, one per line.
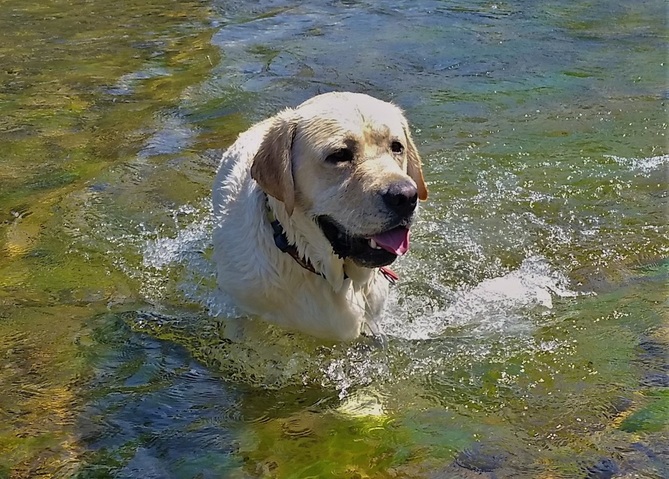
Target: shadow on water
<point x="152" y="411"/>
<point x="528" y="335"/>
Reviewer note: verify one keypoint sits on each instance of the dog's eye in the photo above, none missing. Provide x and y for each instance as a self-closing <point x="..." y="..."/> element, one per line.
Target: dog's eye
<point x="340" y="156"/>
<point x="396" y="147"/>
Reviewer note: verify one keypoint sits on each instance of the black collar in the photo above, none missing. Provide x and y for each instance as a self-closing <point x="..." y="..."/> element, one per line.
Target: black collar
<point x="281" y="242"/>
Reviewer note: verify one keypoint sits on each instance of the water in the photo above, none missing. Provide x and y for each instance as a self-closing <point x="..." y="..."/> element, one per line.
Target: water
<point x="527" y="336"/>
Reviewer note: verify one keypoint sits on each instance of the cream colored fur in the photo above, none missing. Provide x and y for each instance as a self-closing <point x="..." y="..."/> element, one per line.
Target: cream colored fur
<point x="286" y="156"/>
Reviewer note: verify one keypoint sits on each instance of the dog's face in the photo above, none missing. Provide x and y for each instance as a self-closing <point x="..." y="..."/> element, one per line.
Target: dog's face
<point x="348" y="162"/>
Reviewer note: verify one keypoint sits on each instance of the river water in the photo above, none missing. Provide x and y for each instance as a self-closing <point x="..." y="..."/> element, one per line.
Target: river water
<point x="526" y="338"/>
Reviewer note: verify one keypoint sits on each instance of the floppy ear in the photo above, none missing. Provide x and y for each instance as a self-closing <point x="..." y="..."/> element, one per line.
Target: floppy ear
<point x="414" y="168"/>
<point x="272" y="165"/>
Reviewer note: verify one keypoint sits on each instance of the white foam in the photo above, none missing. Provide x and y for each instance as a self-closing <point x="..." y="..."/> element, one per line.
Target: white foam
<point x="493" y="305"/>
<point x="645" y="165"/>
<point x="162" y="252"/>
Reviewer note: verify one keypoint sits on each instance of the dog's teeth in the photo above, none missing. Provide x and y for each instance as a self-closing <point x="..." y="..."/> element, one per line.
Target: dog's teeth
<point x="372" y="243"/>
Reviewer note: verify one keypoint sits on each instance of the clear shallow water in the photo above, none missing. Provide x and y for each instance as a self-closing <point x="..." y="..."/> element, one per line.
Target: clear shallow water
<point x="528" y="334"/>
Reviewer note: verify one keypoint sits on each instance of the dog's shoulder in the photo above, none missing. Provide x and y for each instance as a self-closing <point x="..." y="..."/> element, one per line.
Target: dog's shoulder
<point x="233" y="175"/>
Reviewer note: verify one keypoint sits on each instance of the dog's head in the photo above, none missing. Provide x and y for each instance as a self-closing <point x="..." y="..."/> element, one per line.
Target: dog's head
<point x="347" y="161"/>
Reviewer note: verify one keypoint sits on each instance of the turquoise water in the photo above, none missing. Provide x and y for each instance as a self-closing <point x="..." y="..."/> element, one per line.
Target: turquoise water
<point x="527" y="336"/>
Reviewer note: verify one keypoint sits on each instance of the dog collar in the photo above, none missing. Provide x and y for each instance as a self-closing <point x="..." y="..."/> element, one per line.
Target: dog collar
<point x="281" y="242"/>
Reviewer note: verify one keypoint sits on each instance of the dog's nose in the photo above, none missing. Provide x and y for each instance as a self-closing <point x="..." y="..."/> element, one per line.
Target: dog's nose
<point x="401" y="198"/>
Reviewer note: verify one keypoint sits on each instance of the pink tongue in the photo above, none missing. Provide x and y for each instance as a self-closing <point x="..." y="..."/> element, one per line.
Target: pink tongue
<point x="396" y="240"/>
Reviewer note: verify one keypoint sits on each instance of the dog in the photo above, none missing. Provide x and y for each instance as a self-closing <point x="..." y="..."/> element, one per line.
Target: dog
<point x="310" y="207"/>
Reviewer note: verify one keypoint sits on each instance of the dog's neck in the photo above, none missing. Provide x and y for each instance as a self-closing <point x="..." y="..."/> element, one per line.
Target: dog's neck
<point x="312" y="250"/>
<point x="281" y="242"/>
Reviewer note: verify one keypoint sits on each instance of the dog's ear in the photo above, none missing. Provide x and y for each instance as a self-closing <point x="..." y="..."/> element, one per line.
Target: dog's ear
<point x="414" y="167"/>
<point x="272" y="166"/>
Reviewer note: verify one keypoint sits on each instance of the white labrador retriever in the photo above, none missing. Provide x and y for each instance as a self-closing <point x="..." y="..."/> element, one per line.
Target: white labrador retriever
<point x="310" y="207"/>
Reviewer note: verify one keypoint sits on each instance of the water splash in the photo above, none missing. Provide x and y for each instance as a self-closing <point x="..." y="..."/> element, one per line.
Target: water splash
<point x="644" y="165"/>
<point x="494" y="304"/>
<point x="192" y="240"/>
<point x="187" y="255"/>
<point x="498" y="304"/>
<point x="252" y="352"/>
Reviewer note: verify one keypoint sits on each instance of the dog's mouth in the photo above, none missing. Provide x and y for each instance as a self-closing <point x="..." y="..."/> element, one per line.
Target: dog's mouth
<point x="373" y="251"/>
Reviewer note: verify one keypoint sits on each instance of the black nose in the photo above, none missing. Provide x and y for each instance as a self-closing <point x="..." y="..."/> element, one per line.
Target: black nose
<point x="401" y="198"/>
